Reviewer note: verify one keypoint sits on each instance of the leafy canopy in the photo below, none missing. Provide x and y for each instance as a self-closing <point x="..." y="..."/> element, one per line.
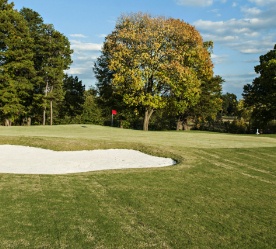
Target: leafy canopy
<point x="16" y="64"/>
<point x="154" y="61"/>
<point x="261" y="94"/>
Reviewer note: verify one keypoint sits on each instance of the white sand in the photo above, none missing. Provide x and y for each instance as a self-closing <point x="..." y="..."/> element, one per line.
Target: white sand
<point x="30" y="160"/>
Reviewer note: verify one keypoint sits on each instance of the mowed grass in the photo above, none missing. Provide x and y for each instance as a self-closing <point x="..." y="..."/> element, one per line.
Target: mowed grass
<point x="221" y="194"/>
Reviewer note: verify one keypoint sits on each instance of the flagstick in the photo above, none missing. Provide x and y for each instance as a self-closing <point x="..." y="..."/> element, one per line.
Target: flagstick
<point x="112" y="120"/>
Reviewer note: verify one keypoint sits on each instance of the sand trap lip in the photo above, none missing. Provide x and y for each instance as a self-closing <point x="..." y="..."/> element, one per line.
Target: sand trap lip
<point x="30" y="160"/>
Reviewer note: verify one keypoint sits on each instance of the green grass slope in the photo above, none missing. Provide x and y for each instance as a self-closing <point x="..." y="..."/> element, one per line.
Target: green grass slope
<point x="221" y="194"/>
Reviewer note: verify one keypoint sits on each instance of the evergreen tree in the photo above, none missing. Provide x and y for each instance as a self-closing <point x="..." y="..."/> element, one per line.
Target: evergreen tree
<point x="36" y="27"/>
<point x="52" y="55"/>
<point x="74" y="98"/>
<point x="16" y="64"/>
<point x="91" y="113"/>
<point x="229" y="104"/>
<point x="261" y="94"/>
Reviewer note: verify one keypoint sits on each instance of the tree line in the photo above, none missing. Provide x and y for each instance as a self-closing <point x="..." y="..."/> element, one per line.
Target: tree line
<point x="33" y="57"/>
<point x="156" y="72"/>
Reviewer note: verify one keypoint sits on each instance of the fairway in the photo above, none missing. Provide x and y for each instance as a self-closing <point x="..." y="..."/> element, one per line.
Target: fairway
<point x="220" y="194"/>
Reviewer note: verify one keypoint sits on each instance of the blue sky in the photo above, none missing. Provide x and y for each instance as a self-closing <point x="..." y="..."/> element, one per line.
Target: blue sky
<point x="241" y="30"/>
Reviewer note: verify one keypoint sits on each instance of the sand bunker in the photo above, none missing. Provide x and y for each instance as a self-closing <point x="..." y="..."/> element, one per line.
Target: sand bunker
<point x="30" y="160"/>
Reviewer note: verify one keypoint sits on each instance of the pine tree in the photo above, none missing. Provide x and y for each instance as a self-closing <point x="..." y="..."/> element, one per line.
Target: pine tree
<point x="52" y="55"/>
<point x="16" y="64"/>
<point x="74" y="98"/>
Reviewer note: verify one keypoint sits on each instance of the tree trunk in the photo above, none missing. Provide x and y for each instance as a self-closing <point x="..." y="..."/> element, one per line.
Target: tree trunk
<point x="44" y="116"/>
<point x="7" y="122"/>
<point x="148" y="114"/>
<point x="179" y="125"/>
<point x="182" y="124"/>
<point x="51" y="106"/>
<point x="51" y="112"/>
<point x="185" y="124"/>
<point x="44" y="111"/>
<point x="26" y="121"/>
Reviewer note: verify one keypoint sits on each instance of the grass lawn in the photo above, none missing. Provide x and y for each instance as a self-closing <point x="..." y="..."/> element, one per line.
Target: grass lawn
<point x="221" y="194"/>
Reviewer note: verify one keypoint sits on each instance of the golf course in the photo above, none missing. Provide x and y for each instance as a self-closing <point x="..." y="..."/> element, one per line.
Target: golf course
<point x="221" y="193"/>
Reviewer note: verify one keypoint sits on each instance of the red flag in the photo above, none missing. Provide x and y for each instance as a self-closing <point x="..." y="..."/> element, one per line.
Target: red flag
<point x="114" y="112"/>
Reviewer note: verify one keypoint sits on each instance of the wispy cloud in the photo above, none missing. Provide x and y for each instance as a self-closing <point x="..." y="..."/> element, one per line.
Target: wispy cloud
<point x="240" y="41"/>
<point x="254" y="33"/>
<point x="263" y="2"/>
<point x="218" y="59"/>
<point x="251" y="11"/>
<point x="202" y="3"/>
<point x="251" y="50"/>
<point x="78" y="35"/>
<point x="235" y="81"/>
<point x="102" y="35"/>
<point x="216" y="12"/>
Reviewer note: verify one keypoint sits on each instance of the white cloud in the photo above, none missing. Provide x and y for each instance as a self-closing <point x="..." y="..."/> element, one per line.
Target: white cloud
<point x="251" y="11"/>
<point x="76" y="70"/>
<point x="102" y="35"/>
<point x="229" y="38"/>
<point x="209" y="25"/>
<point x="234" y="25"/>
<point x="241" y="30"/>
<point x="254" y="34"/>
<point x="216" y="12"/>
<point x="80" y="46"/>
<point x="202" y="3"/>
<point x="218" y="59"/>
<point x="263" y="2"/>
<point x="253" y="46"/>
<point x="78" y="35"/>
<point x="91" y="57"/>
<point x="251" y="35"/>
<point x="251" y="51"/>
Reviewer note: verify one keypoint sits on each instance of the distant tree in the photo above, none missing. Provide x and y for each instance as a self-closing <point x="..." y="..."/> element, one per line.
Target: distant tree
<point x="229" y="104"/>
<point x="261" y="94"/>
<point x="91" y="113"/>
<point x="16" y="63"/>
<point x="210" y="102"/>
<point x="243" y="111"/>
<point x="208" y="105"/>
<point x="72" y="104"/>
<point x="151" y="62"/>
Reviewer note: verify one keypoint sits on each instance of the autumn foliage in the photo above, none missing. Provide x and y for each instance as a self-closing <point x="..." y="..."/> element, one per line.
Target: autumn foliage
<point x="155" y="62"/>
